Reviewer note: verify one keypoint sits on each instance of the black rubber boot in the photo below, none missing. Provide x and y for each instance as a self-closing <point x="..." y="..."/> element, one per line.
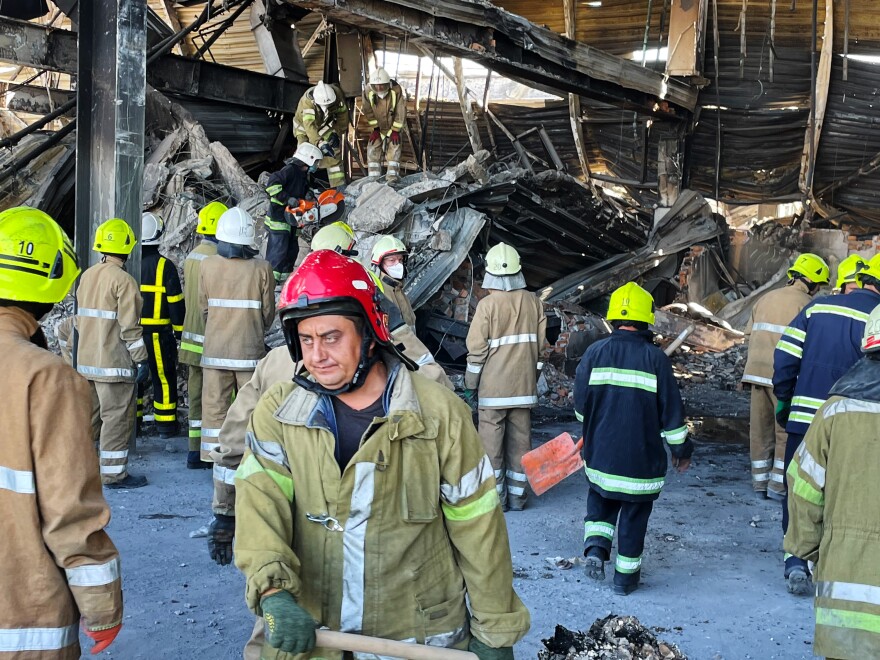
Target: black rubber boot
<point x="130" y="481"/>
<point x="595" y="563"/>
<point x="194" y="461"/>
<point x="797" y="575"/>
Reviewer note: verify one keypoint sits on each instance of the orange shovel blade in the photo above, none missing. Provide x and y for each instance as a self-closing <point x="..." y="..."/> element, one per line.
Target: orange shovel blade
<point x="552" y="462"/>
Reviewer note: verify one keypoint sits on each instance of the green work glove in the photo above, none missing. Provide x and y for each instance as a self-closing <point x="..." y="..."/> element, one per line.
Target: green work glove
<point x="484" y="652"/>
<point x="783" y="410"/>
<point x="290" y="627"/>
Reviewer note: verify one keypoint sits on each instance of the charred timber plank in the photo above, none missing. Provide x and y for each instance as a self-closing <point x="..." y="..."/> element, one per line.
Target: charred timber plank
<point x="513" y="46"/>
<point x="52" y="49"/>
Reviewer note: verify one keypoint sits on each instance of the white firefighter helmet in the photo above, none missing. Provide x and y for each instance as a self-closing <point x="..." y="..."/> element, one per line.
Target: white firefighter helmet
<point x="324" y="95"/>
<point x="151" y="229"/>
<point x="308" y="154"/>
<point x="502" y="259"/>
<point x="871" y="338"/>
<point x="236" y="226"/>
<point x="380" y="82"/>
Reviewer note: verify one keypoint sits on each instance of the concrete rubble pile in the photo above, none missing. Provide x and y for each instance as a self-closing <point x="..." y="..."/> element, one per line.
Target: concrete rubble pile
<point x="612" y="638"/>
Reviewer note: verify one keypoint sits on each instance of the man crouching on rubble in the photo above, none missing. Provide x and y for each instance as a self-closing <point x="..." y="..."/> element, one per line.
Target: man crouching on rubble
<point x="627" y="398"/>
<point x="365" y="500"/>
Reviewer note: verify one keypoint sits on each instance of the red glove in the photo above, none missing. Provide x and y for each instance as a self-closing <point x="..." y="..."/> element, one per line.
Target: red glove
<point x="102" y="638"/>
<point x="395" y="137"/>
<point x="374" y="136"/>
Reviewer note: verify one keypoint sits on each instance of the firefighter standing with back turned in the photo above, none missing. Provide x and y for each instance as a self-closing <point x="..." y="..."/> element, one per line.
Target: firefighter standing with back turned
<point x="111" y="352"/>
<point x="58" y="569"/>
<point x="626" y="395"/>
<point x="162" y="320"/>
<point x="770" y="318"/>
<point x="834" y="480"/>
<point x="504" y="344"/>
<point x="818" y="347"/>
<point x="384" y="106"/>
<point x="365" y="500"/>
<point x="193" y="339"/>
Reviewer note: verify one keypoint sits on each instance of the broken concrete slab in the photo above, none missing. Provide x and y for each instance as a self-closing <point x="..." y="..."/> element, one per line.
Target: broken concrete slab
<point x="377" y="208"/>
<point x="706" y="336"/>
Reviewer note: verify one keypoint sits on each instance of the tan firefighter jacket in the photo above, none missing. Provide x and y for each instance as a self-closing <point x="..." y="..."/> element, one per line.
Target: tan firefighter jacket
<point x="834" y="488"/>
<point x="278" y="367"/>
<point x="107" y="320"/>
<point x="393" y="290"/>
<point x="193" y="338"/>
<point x="770" y="317"/>
<point x="504" y="344"/>
<point x="406" y="532"/>
<point x="58" y="563"/>
<point x="312" y="123"/>
<point x="388" y="114"/>
<point x="64" y="333"/>
<point x="237" y="300"/>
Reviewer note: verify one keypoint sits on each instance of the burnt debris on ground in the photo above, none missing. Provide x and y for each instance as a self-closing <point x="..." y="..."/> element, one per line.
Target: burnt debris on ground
<point x="612" y="638"/>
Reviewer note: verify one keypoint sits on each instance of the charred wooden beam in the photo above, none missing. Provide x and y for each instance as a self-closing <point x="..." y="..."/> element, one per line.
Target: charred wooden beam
<point x="35" y="46"/>
<point x="512" y="46"/>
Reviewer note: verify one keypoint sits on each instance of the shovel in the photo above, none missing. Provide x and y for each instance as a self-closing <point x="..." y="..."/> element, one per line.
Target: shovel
<point x="552" y="462"/>
<point x="339" y="641"/>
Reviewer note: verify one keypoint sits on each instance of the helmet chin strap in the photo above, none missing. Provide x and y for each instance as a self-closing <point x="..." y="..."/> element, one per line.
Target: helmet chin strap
<point x="365" y="363"/>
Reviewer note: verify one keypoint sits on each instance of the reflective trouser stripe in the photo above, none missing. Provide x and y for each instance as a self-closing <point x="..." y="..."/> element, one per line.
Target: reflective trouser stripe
<point x="14" y="640"/>
<point x="770" y="327"/>
<point x="101" y="372"/>
<point x="507" y="401"/>
<point x="592" y="528"/>
<point x="18" y="481"/>
<point x="224" y="475"/>
<point x="627" y="564"/>
<point x="228" y="363"/>
<point x="233" y="303"/>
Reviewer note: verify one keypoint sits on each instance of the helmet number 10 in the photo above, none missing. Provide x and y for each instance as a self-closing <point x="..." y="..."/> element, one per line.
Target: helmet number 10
<point x="25" y="247"/>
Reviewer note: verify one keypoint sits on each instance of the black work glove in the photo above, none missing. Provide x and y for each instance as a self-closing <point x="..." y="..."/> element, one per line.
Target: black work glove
<point x="334" y="141"/>
<point x="327" y="150"/>
<point x="290" y="627"/>
<point x="221" y="531"/>
<point x="484" y="652"/>
<point x="143" y="373"/>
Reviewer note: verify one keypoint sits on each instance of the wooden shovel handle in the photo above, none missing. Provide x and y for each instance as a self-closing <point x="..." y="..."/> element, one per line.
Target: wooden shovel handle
<point x="330" y="639"/>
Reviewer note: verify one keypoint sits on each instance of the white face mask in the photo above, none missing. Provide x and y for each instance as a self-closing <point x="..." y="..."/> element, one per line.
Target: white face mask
<point x="382" y="94"/>
<point x="395" y="271"/>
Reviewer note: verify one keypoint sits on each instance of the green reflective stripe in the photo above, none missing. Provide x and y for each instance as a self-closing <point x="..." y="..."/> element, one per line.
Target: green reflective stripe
<point x="251" y="466"/>
<point x="195" y="348"/>
<point x="598" y="529"/>
<point x="641" y="380"/>
<point x="624" y="564"/>
<point x="803" y="488"/>
<point x="783" y="345"/>
<point x="274" y="189"/>
<point x="676" y="436"/>
<point x="578" y="416"/>
<point x="627" y="485"/>
<point x="800" y="335"/>
<point x="826" y="616"/>
<point x="838" y="311"/>
<point x="274" y="225"/>
<point x="195" y="433"/>
<point x="484" y="504"/>
<point x="807" y="402"/>
<point x="803" y="417"/>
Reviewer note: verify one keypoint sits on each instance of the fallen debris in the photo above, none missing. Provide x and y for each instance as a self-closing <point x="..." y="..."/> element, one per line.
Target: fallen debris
<point x="612" y="638"/>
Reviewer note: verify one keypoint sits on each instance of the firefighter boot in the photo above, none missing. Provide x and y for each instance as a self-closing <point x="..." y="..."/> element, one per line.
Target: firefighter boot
<point x="797" y="576"/>
<point x="594" y="567"/>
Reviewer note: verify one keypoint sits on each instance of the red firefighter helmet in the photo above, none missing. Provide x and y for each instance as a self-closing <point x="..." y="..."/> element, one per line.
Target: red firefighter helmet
<point x="329" y="283"/>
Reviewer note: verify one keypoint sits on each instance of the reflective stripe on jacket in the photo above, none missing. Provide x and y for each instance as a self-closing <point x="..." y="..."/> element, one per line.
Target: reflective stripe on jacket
<point x="388" y="114"/>
<point x="289" y="181"/>
<point x="312" y="123"/>
<point x="834" y="487"/>
<point x="770" y="317"/>
<point x="58" y="563"/>
<point x="111" y="341"/>
<point x="821" y="343"/>
<point x="237" y="301"/>
<point x="504" y="343"/>
<point x="161" y="291"/>
<point x="627" y="396"/>
<point x="193" y="339"/>
<point x="394" y="544"/>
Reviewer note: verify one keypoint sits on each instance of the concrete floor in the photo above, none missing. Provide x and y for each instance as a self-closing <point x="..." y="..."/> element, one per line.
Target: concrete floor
<point x="712" y="571"/>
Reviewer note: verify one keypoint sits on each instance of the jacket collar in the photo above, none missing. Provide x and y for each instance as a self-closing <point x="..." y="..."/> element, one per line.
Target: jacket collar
<point x="800" y="285"/>
<point x="630" y="335"/>
<point x="17" y="321"/>
<point x="402" y="409"/>
<point x="113" y="261"/>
